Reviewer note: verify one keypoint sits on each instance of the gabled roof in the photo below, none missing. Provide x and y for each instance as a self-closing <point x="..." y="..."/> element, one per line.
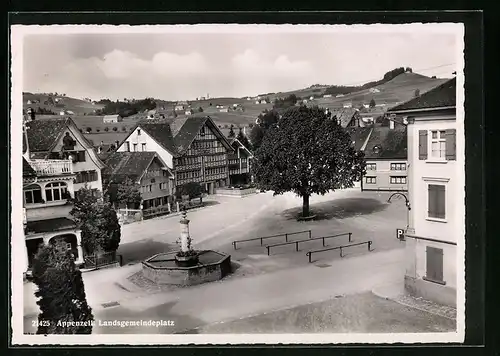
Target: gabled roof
<point x="359" y="136"/>
<point x="345" y="115"/>
<point x="442" y="96"/>
<point x="391" y="143"/>
<point x="133" y="165"/>
<point x="237" y="143"/>
<point x="43" y="135"/>
<point x="176" y="135"/>
<point x="28" y="171"/>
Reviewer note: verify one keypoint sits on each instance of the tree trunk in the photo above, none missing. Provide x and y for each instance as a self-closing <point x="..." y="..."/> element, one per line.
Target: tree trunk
<point x="305" y="205"/>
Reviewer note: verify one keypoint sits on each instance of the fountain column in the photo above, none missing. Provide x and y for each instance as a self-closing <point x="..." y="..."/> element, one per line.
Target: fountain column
<point x="185" y="239"/>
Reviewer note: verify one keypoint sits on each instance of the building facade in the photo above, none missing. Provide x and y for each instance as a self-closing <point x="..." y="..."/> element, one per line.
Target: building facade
<point x="60" y="139"/>
<point x="193" y="148"/>
<point x="436" y="193"/>
<point x="386" y="159"/>
<point x="109" y="119"/>
<point x="239" y="163"/>
<point x="147" y="170"/>
<point x="47" y="188"/>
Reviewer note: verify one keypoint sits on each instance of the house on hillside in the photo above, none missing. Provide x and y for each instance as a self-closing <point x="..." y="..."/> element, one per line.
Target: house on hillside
<point x="181" y="106"/>
<point x="339" y="95"/>
<point x="239" y="162"/>
<point x="147" y="170"/>
<point x="263" y="101"/>
<point x="189" y="112"/>
<point x="311" y="98"/>
<point x="374" y="90"/>
<point x="386" y="159"/>
<point x="347" y="104"/>
<point x="436" y="193"/>
<point x="109" y="119"/>
<point x="327" y="96"/>
<point x="223" y="109"/>
<point x="56" y="139"/>
<point x="193" y="147"/>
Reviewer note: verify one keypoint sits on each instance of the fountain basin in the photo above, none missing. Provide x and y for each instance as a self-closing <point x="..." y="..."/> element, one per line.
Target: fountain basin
<point x="164" y="269"/>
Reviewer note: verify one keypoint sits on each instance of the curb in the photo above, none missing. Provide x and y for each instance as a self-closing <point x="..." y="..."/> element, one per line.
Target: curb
<point x="375" y="291"/>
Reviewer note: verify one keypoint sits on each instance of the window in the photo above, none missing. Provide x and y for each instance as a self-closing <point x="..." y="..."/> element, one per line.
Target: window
<point x="33" y="195"/>
<point x="438" y="144"/>
<point x="86" y="176"/>
<point x="143" y="147"/>
<point x="163" y="185"/>
<point x="202" y="132"/>
<point x="434" y="265"/>
<point x="371" y="180"/>
<point x="148" y="188"/>
<point x="398" y="166"/>
<point x="127" y="146"/>
<point x="371" y="166"/>
<point x="55" y="191"/>
<point x="68" y="246"/>
<point x="80" y="156"/>
<point x="165" y="173"/>
<point x="398" y="180"/>
<point x="436" y="196"/>
<point x="138" y="132"/>
<point x="135" y="147"/>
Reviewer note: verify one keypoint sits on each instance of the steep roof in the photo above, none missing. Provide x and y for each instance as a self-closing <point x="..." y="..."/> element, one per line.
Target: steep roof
<point x="175" y="135"/>
<point x="42" y="134"/>
<point x="441" y="96"/>
<point x="122" y="165"/>
<point x="392" y="143"/>
<point x="359" y="136"/>
<point x="28" y="171"/>
<point x="345" y="115"/>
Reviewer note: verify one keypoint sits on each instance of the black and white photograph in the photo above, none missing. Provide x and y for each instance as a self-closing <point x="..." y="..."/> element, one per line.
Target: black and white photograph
<point x="237" y="184"/>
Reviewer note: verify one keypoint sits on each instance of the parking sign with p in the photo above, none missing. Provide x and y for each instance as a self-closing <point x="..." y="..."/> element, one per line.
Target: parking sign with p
<point x="400" y="234"/>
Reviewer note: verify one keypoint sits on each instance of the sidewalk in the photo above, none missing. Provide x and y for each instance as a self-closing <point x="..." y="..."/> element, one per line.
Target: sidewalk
<point x="395" y="291"/>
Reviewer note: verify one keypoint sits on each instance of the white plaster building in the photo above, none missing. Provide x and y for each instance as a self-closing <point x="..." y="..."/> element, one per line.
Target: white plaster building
<point x="436" y="192"/>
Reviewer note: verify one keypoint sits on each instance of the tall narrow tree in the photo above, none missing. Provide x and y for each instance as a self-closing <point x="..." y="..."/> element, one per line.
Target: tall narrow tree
<point x="307" y="153"/>
<point x="61" y="292"/>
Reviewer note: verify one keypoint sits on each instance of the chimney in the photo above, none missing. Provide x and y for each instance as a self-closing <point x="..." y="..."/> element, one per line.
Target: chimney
<point x="391" y="124"/>
<point x="244" y="130"/>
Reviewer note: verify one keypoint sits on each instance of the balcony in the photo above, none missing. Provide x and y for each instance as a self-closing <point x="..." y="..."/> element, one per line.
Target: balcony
<point x="52" y="167"/>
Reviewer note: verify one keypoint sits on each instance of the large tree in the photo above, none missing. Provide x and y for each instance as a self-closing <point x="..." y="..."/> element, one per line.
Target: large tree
<point x="98" y="221"/>
<point x="307" y="153"/>
<point x="61" y="292"/>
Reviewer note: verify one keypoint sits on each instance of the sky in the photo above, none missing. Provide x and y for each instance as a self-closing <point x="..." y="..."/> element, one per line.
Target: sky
<point x="183" y="66"/>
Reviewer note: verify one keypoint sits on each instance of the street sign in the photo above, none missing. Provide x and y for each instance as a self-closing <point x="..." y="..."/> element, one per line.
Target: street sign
<point x="400" y="234"/>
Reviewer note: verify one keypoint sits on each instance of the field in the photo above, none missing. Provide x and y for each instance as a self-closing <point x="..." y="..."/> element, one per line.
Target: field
<point x="397" y="90"/>
<point x="78" y="106"/>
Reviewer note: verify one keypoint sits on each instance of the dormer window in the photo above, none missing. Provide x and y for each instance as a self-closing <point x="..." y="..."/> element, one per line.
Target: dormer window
<point x="202" y="132"/>
<point x="377" y="149"/>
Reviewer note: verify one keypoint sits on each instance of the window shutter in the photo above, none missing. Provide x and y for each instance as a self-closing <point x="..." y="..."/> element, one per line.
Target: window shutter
<point x="434" y="262"/>
<point x="422" y="144"/>
<point x="451" y="145"/>
<point x="440" y="202"/>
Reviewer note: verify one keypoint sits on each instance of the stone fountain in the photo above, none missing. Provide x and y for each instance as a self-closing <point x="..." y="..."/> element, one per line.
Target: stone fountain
<point x="186" y="266"/>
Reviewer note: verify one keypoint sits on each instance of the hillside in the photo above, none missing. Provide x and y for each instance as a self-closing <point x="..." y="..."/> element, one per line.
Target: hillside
<point x="78" y="106"/>
<point x="397" y="90"/>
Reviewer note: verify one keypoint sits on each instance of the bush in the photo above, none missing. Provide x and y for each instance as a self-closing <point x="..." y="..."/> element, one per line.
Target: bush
<point x="115" y="128"/>
<point x="106" y="129"/>
<point x="124" y="128"/>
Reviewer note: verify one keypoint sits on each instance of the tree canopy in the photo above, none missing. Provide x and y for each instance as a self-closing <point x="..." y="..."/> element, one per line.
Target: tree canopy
<point x="61" y="292"/>
<point x="231" y="132"/>
<point x="284" y="103"/>
<point x="307" y="153"/>
<point x="372" y="103"/>
<point x="98" y="221"/>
